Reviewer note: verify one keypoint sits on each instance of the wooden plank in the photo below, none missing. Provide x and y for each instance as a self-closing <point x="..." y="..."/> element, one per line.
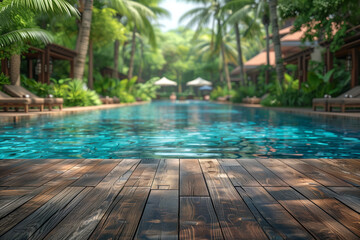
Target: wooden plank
<point x="60" y="215"/>
<point x="316" y="221"/>
<point x="283" y="223"/>
<point x="192" y="182"/>
<point x="40" y="177"/>
<point x="240" y="177"/>
<point x="198" y="219"/>
<point x="287" y="174"/>
<point x="8" y="166"/>
<point x="264" y="176"/>
<point x="28" y="168"/>
<point x="160" y="218"/>
<point x="348" y="196"/>
<point x="122" y="218"/>
<point x="97" y="173"/>
<point x="17" y="201"/>
<point x="318" y="175"/>
<point x="50" y="190"/>
<point x="348" y="175"/>
<point x="29" y="225"/>
<point x="333" y="207"/>
<point x="8" y="195"/>
<point x="143" y="176"/>
<point x="81" y="222"/>
<point x="270" y="231"/>
<point x="236" y="220"/>
<point x="167" y="175"/>
<point x="228" y="162"/>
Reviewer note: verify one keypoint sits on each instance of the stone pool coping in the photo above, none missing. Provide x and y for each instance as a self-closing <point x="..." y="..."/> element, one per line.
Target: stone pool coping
<point x="10" y="117"/>
<point x="300" y="110"/>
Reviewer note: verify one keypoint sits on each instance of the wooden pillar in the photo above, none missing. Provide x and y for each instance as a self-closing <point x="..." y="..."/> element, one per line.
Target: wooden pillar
<point x="30" y="68"/>
<point x="72" y="69"/>
<point x="329" y="61"/>
<point x="354" y="67"/>
<point x="47" y="65"/>
<point x="300" y="73"/>
<point x="304" y="69"/>
<point x="42" y="72"/>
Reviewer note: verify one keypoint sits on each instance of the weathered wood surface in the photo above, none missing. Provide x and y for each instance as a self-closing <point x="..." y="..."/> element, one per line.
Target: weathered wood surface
<point x="180" y="198"/>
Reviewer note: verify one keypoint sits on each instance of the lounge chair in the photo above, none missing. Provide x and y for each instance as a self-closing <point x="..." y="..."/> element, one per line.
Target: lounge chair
<point x="6" y="102"/>
<point x="335" y="102"/>
<point x="343" y="103"/>
<point x="107" y="100"/>
<point x="18" y="91"/>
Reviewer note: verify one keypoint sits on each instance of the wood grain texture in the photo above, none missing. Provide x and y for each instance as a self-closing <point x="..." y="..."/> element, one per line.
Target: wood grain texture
<point x="269" y="230"/>
<point x="59" y="216"/>
<point x="29" y="225"/>
<point x="192" y="182"/>
<point x="96" y="174"/>
<point x="316" y="221"/>
<point x="344" y="171"/>
<point x="167" y="175"/>
<point x="333" y="207"/>
<point x="240" y="177"/>
<point x="123" y="216"/>
<point x="263" y="175"/>
<point x="198" y="219"/>
<point x="320" y="176"/>
<point x="236" y="220"/>
<point x="286" y="226"/>
<point x="144" y="174"/>
<point x="28" y="169"/>
<point x="160" y="217"/>
<point x="350" y="196"/>
<point x="49" y="191"/>
<point x="80" y="223"/>
<point x="287" y="174"/>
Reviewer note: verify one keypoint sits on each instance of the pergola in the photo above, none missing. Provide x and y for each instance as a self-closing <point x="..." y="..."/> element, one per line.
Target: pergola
<point x="349" y="52"/>
<point x="44" y="61"/>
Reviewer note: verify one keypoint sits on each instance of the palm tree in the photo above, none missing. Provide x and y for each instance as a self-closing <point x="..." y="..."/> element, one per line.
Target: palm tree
<point x="11" y="37"/>
<point x="239" y="14"/>
<point x="276" y="40"/>
<point x="202" y="16"/>
<point x="82" y="43"/>
<point x="133" y="12"/>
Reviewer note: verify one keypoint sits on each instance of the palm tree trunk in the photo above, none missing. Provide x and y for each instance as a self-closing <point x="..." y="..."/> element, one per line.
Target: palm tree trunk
<point x="241" y="63"/>
<point x="83" y="43"/>
<point x="15" y="63"/>
<point x="267" y="74"/>
<point x="91" y="66"/>
<point x="141" y="59"/>
<point x="226" y="69"/>
<point x="116" y="58"/>
<point x="132" y="56"/>
<point x="276" y="41"/>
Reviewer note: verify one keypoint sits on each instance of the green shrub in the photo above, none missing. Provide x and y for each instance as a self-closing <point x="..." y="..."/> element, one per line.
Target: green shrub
<point x="39" y="89"/>
<point x="4" y="80"/>
<point x="78" y="95"/>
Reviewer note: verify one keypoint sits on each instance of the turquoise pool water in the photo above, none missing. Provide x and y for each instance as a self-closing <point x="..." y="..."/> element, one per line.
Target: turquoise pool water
<point x="181" y="130"/>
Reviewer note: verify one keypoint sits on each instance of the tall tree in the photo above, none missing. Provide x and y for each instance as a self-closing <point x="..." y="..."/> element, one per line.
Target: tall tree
<point x="82" y="44"/>
<point x="276" y="40"/>
<point x="211" y="12"/>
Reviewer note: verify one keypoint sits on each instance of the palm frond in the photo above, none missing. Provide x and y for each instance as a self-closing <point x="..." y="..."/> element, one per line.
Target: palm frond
<point x="18" y="36"/>
<point x="48" y="6"/>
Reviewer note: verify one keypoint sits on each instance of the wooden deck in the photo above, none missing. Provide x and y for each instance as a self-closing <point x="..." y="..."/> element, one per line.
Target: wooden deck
<point x="186" y="199"/>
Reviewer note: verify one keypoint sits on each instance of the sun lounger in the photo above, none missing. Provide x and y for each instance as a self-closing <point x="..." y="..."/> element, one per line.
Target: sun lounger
<point x="6" y="102"/>
<point x="251" y="100"/>
<point x="107" y="100"/>
<point x="18" y="91"/>
<point x="335" y="102"/>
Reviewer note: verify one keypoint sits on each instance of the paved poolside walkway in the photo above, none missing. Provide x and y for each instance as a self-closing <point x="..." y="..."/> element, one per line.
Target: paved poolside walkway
<point x="187" y="199"/>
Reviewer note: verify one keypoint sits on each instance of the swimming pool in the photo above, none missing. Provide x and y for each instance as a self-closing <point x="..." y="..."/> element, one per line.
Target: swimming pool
<point x="181" y="130"/>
